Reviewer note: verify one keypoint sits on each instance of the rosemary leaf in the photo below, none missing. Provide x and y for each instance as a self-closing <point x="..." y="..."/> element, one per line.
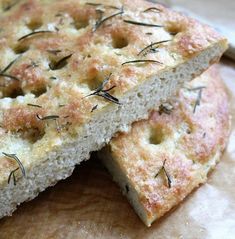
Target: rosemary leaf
<point x="9" y="65"/>
<point x="141" y="61"/>
<point x="33" y="105"/>
<point x="59" y="64"/>
<point x="165" y="108"/>
<point x="197" y="88"/>
<point x="168" y="178"/>
<point x="142" y="23"/>
<point x="55" y="52"/>
<point x="199" y="96"/>
<point x="198" y="100"/>
<point x="93" y="4"/>
<point x="9" y="76"/>
<point x="34" y="33"/>
<point x="94" y="108"/>
<point x="109" y="97"/>
<point x="163" y="169"/>
<point x="14" y="157"/>
<point x="49" y="117"/>
<point x="33" y="65"/>
<point x="153" y="9"/>
<point x="103" y="84"/>
<point x="12" y="174"/>
<point x="152" y="45"/>
<point x="53" y="78"/>
<point x="10" y="5"/>
<point x="101" y="5"/>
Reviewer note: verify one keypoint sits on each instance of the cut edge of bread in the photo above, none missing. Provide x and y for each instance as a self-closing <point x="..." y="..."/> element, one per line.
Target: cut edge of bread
<point x="99" y="131"/>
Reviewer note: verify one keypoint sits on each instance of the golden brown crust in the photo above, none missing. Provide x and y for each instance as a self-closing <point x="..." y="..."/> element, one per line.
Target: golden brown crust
<point x="55" y="53"/>
<point x="187" y="141"/>
<point x="19" y="118"/>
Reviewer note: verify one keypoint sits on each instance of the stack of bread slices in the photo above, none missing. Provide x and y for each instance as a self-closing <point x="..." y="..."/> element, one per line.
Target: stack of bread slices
<point x="75" y="74"/>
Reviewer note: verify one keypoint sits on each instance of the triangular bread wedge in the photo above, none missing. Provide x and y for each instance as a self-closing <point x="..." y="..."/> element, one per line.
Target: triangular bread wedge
<point x="73" y="73"/>
<point x="164" y="158"/>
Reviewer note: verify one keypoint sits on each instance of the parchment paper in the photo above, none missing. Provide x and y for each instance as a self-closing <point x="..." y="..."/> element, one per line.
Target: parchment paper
<point x="90" y="205"/>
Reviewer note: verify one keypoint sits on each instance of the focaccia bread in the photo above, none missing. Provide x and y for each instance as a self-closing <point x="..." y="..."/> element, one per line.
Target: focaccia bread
<point x="73" y="73"/>
<point x="165" y="157"/>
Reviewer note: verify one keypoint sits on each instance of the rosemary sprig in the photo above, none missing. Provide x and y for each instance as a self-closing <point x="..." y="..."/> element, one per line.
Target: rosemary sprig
<point x="154" y="44"/>
<point x="154" y="9"/>
<point x="33" y="105"/>
<point x="103" y="20"/>
<point x="141" y="61"/>
<point x="142" y="23"/>
<point x="34" y="33"/>
<point x="163" y="169"/>
<point x="49" y="117"/>
<point x="14" y="157"/>
<point x="59" y="64"/>
<point x="9" y="76"/>
<point x="105" y="93"/>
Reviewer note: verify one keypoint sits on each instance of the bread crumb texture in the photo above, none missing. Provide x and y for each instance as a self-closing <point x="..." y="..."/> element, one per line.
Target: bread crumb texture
<point x="54" y="54"/>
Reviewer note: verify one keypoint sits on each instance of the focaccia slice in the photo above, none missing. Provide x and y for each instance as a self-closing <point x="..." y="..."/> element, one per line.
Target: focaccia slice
<point x="165" y="157"/>
<point x="73" y="73"/>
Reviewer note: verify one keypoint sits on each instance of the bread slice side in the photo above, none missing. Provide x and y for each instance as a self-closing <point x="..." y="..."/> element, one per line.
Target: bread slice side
<point x="187" y="144"/>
